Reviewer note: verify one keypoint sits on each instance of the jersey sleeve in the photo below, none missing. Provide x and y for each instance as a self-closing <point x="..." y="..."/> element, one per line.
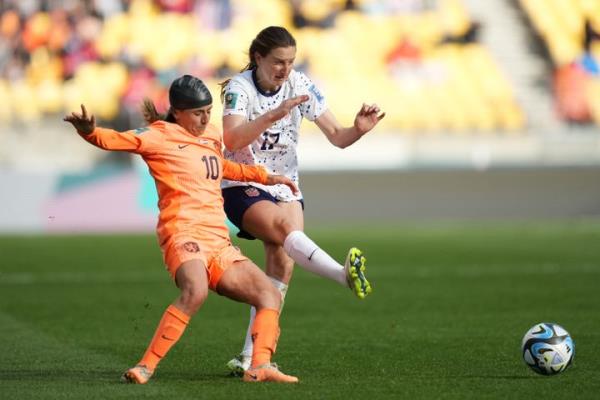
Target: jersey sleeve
<point x="244" y="173"/>
<point x="316" y="104"/>
<point x="132" y="141"/>
<point x="236" y="99"/>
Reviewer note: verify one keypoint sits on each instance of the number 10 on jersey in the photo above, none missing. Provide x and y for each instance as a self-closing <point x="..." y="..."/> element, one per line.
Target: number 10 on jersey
<point x="212" y="167"/>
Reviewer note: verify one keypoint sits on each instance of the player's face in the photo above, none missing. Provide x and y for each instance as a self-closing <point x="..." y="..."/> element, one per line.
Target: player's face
<point x="194" y="120"/>
<point x="273" y="69"/>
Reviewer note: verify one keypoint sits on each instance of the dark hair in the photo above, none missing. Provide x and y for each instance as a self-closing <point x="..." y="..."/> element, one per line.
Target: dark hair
<point x="184" y="93"/>
<point x="268" y="39"/>
<point x="151" y="115"/>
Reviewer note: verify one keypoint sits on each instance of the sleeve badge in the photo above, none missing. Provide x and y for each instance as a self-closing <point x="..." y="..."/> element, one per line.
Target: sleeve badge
<point x="230" y="100"/>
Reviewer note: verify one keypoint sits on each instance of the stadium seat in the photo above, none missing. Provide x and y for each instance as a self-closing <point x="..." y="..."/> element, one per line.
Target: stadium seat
<point x="561" y="24"/>
<point x="451" y="86"/>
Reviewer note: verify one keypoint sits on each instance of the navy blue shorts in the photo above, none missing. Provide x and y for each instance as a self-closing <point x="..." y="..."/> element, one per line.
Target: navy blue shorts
<point x="238" y="199"/>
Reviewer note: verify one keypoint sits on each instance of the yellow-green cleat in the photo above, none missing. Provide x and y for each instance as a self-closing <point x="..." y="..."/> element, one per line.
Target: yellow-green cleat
<point x="355" y="273"/>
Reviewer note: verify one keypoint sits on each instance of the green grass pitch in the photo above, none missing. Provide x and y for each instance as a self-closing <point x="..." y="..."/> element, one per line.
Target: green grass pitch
<point x="445" y="320"/>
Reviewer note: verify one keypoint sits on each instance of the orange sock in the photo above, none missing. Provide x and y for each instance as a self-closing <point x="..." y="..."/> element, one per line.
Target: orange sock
<point x="265" y="332"/>
<point x="170" y="328"/>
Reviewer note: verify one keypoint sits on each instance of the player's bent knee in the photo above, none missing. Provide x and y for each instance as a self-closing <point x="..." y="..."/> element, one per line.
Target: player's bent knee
<point x="269" y="297"/>
<point x="283" y="227"/>
<point x="193" y="297"/>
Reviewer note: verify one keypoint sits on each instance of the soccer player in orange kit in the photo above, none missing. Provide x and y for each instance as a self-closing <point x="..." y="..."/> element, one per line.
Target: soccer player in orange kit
<point x="184" y="155"/>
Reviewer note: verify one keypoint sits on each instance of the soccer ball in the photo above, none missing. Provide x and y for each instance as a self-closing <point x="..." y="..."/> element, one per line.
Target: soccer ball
<point x="548" y="348"/>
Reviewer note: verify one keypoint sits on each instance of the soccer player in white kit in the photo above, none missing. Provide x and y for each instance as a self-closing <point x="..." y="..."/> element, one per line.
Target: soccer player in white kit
<point x="263" y="108"/>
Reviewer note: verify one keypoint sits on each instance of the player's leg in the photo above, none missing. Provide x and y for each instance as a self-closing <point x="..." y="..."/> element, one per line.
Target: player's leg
<point x="260" y="215"/>
<point x="279" y="267"/>
<point x="244" y="281"/>
<point x="191" y="278"/>
<point x="282" y="223"/>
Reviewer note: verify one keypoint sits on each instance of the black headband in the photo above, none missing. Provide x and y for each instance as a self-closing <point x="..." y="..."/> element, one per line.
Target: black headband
<point x="189" y="92"/>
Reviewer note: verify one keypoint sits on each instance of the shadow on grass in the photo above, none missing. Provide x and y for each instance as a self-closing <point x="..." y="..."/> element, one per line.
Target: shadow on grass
<point x="501" y="377"/>
<point x="108" y="376"/>
<point x="57" y="375"/>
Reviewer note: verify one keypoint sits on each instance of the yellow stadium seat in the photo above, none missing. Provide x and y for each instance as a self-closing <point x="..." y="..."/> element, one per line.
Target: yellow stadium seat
<point x="571" y="15"/>
<point x="564" y="50"/>
<point x="453" y="16"/>
<point x="25" y="101"/>
<point x="72" y="96"/>
<point x="511" y="118"/>
<point x="43" y="66"/>
<point x="49" y="96"/>
<point x="429" y="30"/>
<point x="114" y="35"/>
<point x="593" y="95"/>
<point x="118" y="76"/>
<point x="6" y="101"/>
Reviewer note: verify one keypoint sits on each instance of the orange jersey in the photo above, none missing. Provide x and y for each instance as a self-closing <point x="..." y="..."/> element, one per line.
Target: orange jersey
<point x="187" y="170"/>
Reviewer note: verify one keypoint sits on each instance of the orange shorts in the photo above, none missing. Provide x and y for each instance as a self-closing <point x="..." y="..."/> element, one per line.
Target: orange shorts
<point x="216" y="255"/>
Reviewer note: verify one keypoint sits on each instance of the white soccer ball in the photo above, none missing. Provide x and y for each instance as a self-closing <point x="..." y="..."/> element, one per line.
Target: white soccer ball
<point x="548" y="348"/>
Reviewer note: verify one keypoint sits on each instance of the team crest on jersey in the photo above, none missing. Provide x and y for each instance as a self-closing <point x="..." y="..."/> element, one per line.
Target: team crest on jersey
<point x="252" y="192"/>
<point x="230" y="100"/>
<point x="313" y="89"/>
<point x="141" y="130"/>
<point x="191" y="247"/>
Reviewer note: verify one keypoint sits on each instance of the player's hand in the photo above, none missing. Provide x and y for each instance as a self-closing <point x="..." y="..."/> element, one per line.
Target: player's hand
<point x="83" y="122"/>
<point x="367" y="117"/>
<point x="283" y="180"/>
<point x="286" y="106"/>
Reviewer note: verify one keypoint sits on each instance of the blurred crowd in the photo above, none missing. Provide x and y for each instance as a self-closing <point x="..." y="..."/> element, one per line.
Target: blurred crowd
<point x="570" y="31"/>
<point x="421" y="56"/>
<point x="53" y="50"/>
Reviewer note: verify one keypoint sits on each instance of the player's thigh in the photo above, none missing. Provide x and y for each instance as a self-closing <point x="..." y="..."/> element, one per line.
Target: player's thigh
<point x="243" y="281"/>
<point x="271" y="222"/>
<point x="294" y="213"/>
<point x="192" y="279"/>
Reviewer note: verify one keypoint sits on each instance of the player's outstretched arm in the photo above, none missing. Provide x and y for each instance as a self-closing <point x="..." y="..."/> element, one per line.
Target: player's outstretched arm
<point x="83" y="123"/>
<point x="239" y="132"/>
<point x="366" y="119"/>
<point x="106" y="139"/>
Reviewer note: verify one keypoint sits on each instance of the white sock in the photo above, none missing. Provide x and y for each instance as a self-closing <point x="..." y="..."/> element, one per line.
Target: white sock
<point x="247" y="350"/>
<point x="311" y="257"/>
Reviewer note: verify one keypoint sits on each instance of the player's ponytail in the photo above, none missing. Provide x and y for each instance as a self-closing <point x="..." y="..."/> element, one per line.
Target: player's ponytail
<point x="268" y="39"/>
<point x="149" y="111"/>
<point x="152" y="115"/>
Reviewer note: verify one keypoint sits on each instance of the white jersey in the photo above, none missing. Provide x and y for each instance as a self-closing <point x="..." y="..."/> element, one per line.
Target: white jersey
<point x="274" y="149"/>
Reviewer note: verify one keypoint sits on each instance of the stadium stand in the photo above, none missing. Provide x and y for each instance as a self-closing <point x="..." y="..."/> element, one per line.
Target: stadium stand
<point x="570" y="30"/>
<point x="418" y="59"/>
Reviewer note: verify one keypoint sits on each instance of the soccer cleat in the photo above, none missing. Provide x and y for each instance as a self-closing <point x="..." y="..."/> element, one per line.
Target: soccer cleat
<point x="139" y="374"/>
<point x="238" y="365"/>
<point x="355" y="273"/>
<point x="268" y="373"/>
